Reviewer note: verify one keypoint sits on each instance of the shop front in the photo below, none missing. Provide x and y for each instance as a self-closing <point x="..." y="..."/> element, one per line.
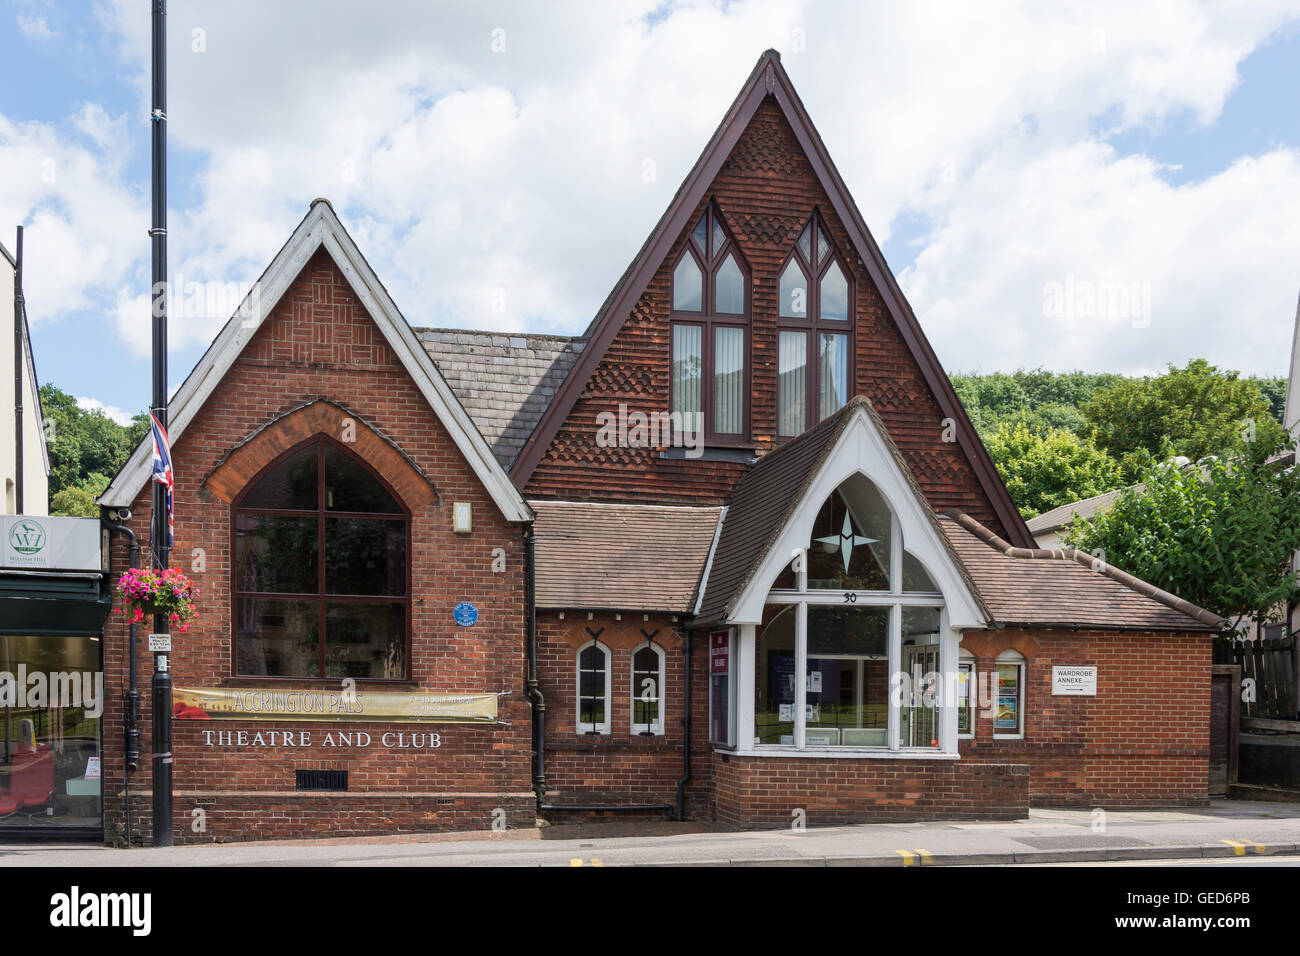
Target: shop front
<point x="53" y="602"/>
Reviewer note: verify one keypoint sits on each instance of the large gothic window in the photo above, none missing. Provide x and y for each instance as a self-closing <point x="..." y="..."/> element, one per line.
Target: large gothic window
<point x="321" y="576"/>
<point x="815" y="332"/>
<point x="710" y="347"/>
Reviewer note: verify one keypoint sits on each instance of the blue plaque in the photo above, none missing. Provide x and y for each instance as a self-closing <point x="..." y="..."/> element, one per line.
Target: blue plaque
<point x="466" y="614"/>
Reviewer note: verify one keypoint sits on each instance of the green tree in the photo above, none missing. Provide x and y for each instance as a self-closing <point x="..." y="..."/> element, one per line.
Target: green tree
<point x="86" y="450"/>
<point x="1200" y="410"/>
<point x="1045" y="470"/>
<point x="1221" y="536"/>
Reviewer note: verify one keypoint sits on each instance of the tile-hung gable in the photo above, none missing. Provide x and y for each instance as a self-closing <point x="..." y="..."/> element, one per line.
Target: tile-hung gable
<point x="732" y="553"/>
<point x="827" y="320"/>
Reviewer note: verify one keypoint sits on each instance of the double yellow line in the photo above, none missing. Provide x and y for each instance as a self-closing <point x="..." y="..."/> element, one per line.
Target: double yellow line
<point x="1240" y="847"/>
<point x="916" y="857"/>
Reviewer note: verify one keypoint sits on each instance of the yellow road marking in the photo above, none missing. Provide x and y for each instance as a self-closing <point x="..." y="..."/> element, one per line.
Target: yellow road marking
<point x="926" y="856"/>
<point x="596" y="862"/>
<point x="1237" y="848"/>
<point x="576" y="862"/>
<point x="907" y="855"/>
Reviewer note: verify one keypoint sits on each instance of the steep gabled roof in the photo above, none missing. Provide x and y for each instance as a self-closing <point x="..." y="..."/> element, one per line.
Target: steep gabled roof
<point x="505" y="380"/>
<point x="321" y="228"/>
<point x="768" y="79"/>
<point x="766" y="501"/>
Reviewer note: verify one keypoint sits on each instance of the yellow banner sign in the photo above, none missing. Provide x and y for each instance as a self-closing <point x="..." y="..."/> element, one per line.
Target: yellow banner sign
<point x="408" y="707"/>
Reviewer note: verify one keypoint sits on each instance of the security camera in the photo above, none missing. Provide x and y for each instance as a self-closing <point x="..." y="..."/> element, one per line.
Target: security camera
<point x="123" y="514"/>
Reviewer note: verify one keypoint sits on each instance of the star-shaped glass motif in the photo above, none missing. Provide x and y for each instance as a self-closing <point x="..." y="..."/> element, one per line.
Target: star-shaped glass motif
<point x="846" y="540"/>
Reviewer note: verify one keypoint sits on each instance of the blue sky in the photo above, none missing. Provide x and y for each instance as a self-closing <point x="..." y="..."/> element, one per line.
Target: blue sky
<point x="1148" y="162"/>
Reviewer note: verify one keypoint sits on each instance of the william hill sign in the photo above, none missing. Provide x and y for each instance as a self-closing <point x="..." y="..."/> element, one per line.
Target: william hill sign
<point x="42" y="543"/>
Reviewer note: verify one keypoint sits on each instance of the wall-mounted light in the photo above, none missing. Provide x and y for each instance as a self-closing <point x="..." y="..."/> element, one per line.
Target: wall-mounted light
<point x="462" y="517"/>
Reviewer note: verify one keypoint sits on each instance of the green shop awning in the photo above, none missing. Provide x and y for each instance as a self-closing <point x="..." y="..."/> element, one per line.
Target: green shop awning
<point x="53" y="602"/>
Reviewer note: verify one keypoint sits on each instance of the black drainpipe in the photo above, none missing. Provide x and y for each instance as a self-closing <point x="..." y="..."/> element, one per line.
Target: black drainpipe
<point x="680" y="813"/>
<point x="19" y="315"/>
<point x="131" y="718"/>
<point x="532" y="688"/>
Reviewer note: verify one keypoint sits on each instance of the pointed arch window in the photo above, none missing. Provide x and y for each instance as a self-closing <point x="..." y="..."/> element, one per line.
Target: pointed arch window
<point x="709" y="386"/>
<point x="860" y="618"/>
<point x="321" y="576"/>
<point x="815" y="331"/>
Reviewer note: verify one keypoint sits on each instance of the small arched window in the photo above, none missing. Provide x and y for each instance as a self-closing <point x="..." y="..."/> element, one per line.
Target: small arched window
<point x="710" y="348"/>
<point x="593" y="688"/>
<point x="648" y="690"/>
<point x="1009" y="702"/>
<point x="320" y="571"/>
<point x="815" y="331"/>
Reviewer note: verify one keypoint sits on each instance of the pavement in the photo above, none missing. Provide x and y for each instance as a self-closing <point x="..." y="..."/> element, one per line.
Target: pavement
<point x="1228" y="830"/>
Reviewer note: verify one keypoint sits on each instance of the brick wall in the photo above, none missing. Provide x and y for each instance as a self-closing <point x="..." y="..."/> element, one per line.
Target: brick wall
<point x="1144" y="740"/>
<point x="319" y="343"/>
<point x="617" y="767"/>
<point x="767" y="191"/>
<point x="768" y="791"/>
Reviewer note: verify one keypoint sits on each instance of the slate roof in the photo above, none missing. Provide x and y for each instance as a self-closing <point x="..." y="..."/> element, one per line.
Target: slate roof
<point x="1058" y="518"/>
<point x="1038" y="587"/>
<point x="621" y="557"/>
<point x="504" y="380"/>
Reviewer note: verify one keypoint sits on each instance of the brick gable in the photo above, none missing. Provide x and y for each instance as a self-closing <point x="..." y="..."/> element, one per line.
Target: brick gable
<point x="766" y="189"/>
<point x="317" y="357"/>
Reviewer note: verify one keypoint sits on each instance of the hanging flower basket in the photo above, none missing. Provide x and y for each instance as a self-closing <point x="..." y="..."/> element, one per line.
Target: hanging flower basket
<point x="168" y="592"/>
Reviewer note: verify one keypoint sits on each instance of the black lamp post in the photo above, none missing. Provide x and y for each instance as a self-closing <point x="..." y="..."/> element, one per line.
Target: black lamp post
<point x="159" y="525"/>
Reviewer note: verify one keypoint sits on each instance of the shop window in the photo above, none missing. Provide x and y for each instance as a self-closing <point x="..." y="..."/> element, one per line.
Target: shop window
<point x="815" y="342"/>
<point x="851" y="649"/>
<point x="966" y="696"/>
<point x="647" y="690"/>
<point x="593" y="688"/>
<point x="321" y="577"/>
<point x="709" y="387"/>
<point x="50" y="761"/>
<point x="1009" y="707"/>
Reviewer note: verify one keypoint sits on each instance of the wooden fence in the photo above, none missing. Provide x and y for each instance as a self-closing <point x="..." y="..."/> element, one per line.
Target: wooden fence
<point x="1270" y="666"/>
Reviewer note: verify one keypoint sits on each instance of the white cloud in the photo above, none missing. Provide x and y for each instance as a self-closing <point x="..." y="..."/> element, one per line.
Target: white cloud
<point x="1148" y="272"/>
<point x="77" y="208"/>
<point x="34" y="27"/>
<point x="109" y="411"/>
<point x="494" y="154"/>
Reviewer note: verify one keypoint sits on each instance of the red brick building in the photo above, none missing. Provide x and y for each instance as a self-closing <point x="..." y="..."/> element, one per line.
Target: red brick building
<point x="734" y="553"/>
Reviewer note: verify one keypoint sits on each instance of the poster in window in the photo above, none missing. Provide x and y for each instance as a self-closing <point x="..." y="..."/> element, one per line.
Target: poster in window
<point x="780" y="669"/>
<point x="1008" y="716"/>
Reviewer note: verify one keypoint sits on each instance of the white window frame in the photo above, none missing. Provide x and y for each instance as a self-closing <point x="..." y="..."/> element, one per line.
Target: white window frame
<point x="581" y="726"/>
<point x="655" y="728"/>
<point x="896" y="601"/>
<point x="1012" y="658"/>
<point x="967" y="659"/>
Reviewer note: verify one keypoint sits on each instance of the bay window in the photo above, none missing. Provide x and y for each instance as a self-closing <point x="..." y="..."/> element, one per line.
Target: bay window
<point x="710" y="318"/>
<point x="815" y="318"/>
<point x="853" y="647"/>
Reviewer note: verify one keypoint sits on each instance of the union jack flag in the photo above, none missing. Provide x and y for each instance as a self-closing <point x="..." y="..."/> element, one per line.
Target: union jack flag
<point x="162" y="472"/>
